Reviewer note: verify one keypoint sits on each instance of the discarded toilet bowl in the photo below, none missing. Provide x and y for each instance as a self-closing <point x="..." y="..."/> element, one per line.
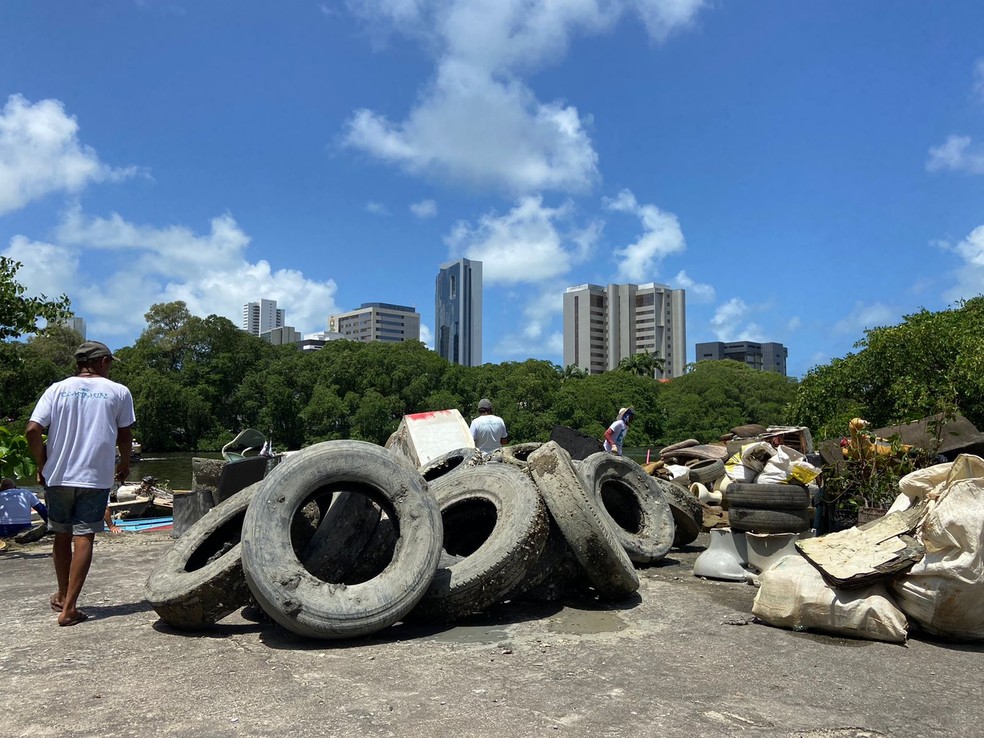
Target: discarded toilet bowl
<point x="764" y="550"/>
<point x="724" y="558"/>
<point x="700" y="491"/>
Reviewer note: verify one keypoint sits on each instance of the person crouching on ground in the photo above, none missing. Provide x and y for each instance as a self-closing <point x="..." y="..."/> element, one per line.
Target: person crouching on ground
<point x="15" y="508"/>
<point x="488" y="430"/>
<point x="88" y="417"/>
<point x="615" y="435"/>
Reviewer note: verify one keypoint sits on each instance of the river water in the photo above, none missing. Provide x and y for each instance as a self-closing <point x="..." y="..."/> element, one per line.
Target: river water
<point x="171" y="469"/>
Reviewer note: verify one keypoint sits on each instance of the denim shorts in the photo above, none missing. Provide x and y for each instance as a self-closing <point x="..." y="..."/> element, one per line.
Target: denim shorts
<point x="76" y="510"/>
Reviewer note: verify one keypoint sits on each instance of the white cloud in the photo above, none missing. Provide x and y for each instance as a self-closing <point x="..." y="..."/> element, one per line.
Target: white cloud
<point x="863" y="316"/>
<point x="524" y="245"/>
<point x="697" y="292"/>
<point x="731" y="322"/>
<point x="427" y="336"/>
<point x="143" y="265"/>
<point x="957" y="154"/>
<point x="376" y="208"/>
<point x="970" y="276"/>
<point x="477" y="121"/>
<point x="46" y="268"/>
<point x="978" y="85"/>
<point x="662" y="236"/>
<point x="40" y="153"/>
<point x="475" y="129"/>
<point x="424" y="209"/>
<point x="537" y="335"/>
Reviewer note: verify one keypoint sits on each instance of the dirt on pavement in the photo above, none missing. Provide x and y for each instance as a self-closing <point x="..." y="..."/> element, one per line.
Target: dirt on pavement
<point x="681" y="658"/>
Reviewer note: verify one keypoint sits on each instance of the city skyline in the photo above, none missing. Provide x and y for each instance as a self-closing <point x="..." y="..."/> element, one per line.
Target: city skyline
<point x="803" y="172"/>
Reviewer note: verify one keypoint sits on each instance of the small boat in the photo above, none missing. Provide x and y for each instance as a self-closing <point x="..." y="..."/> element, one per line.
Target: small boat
<point x="146" y="498"/>
<point x="135" y="450"/>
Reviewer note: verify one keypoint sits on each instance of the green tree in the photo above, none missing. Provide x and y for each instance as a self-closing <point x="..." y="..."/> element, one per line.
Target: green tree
<point x="927" y="364"/>
<point x="19" y="315"/>
<point x="642" y="364"/>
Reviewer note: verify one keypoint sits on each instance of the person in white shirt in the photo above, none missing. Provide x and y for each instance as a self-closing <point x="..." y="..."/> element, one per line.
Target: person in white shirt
<point x="615" y="435"/>
<point x="488" y="430"/>
<point x="88" y="417"/>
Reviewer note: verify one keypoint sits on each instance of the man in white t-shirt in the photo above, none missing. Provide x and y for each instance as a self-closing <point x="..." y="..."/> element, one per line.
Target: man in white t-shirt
<point x="488" y="430"/>
<point x="88" y="418"/>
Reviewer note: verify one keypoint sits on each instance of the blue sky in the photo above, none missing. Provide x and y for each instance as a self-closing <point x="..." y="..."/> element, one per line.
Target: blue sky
<point x="803" y="169"/>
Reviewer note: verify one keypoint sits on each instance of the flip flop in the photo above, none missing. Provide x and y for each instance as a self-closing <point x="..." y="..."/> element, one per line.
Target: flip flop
<point x="54" y="605"/>
<point x="81" y="617"/>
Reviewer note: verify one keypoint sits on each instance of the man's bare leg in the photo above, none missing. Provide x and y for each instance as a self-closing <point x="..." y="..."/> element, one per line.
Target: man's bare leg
<point x="78" y="570"/>
<point x="61" y="554"/>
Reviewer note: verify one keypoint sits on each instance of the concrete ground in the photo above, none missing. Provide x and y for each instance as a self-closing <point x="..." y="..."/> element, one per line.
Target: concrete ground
<point x="683" y="658"/>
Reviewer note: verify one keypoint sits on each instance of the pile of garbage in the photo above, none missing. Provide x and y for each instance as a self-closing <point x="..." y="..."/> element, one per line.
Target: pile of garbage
<point x="345" y="538"/>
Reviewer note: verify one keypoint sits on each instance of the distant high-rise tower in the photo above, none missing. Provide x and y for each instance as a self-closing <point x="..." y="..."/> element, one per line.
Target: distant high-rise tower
<point x="76" y="324"/>
<point x="260" y="317"/>
<point x="603" y="325"/>
<point x="458" y="312"/>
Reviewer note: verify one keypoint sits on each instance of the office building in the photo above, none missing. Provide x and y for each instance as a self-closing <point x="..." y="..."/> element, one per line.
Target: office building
<point x="377" y="321"/>
<point x="458" y="312"/>
<point x="283" y="335"/>
<point x="770" y="357"/>
<point x="76" y="324"/>
<point x="603" y="325"/>
<point x="260" y="317"/>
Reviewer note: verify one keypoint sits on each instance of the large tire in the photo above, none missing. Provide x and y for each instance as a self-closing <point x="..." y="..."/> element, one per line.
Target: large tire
<point x="584" y="525"/>
<point x="301" y="602"/>
<point x="668" y="450"/>
<point x="519" y="453"/>
<point x="200" y="578"/>
<point x="494" y="519"/>
<point x="458" y="459"/>
<point x="688" y="515"/>
<point x="770" y="521"/>
<point x="767" y="496"/>
<point x="637" y="510"/>
<point x="707" y="471"/>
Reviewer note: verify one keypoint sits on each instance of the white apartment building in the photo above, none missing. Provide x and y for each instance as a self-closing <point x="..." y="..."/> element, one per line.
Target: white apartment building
<point x="377" y="321"/>
<point x="263" y="316"/>
<point x="603" y="325"/>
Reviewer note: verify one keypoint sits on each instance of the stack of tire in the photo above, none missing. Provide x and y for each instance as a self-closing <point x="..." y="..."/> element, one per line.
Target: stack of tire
<point x="769" y="508"/>
<point x="345" y="538"/>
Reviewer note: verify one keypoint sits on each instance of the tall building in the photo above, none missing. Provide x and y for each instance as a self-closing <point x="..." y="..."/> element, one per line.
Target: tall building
<point x="769" y="357"/>
<point x="76" y="324"/>
<point x="458" y="312"/>
<point x="377" y="321"/>
<point x="603" y="325"/>
<point x="260" y="317"/>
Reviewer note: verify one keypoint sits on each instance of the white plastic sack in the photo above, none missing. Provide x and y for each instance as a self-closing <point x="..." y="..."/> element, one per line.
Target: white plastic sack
<point x="678" y="471"/>
<point x="794" y="595"/>
<point x="787" y="466"/>
<point x="944" y="592"/>
<point x="746" y="464"/>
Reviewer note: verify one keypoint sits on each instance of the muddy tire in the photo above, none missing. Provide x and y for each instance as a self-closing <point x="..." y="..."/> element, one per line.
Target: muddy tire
<point x="584" y="525"/>
<point x="688" y="516"/>
<point x="376" y="555"/>
<point x="518" y="454"/>
<point x="309" y="606"/>
<point x="767" y="496"/>
<point x="200" y="578"/>
<point x="707" y="471"/>
<point x="31" y="535"/>
<point x="636" y="507"/>
<point x="770" y="521"/>
<point x="496" y="525"/>
<point x="668" y="450"/>
<point x="458" y="459"/>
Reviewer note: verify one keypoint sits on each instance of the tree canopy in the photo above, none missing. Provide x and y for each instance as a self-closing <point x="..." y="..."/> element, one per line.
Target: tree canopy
<point x="929" y="363"/>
